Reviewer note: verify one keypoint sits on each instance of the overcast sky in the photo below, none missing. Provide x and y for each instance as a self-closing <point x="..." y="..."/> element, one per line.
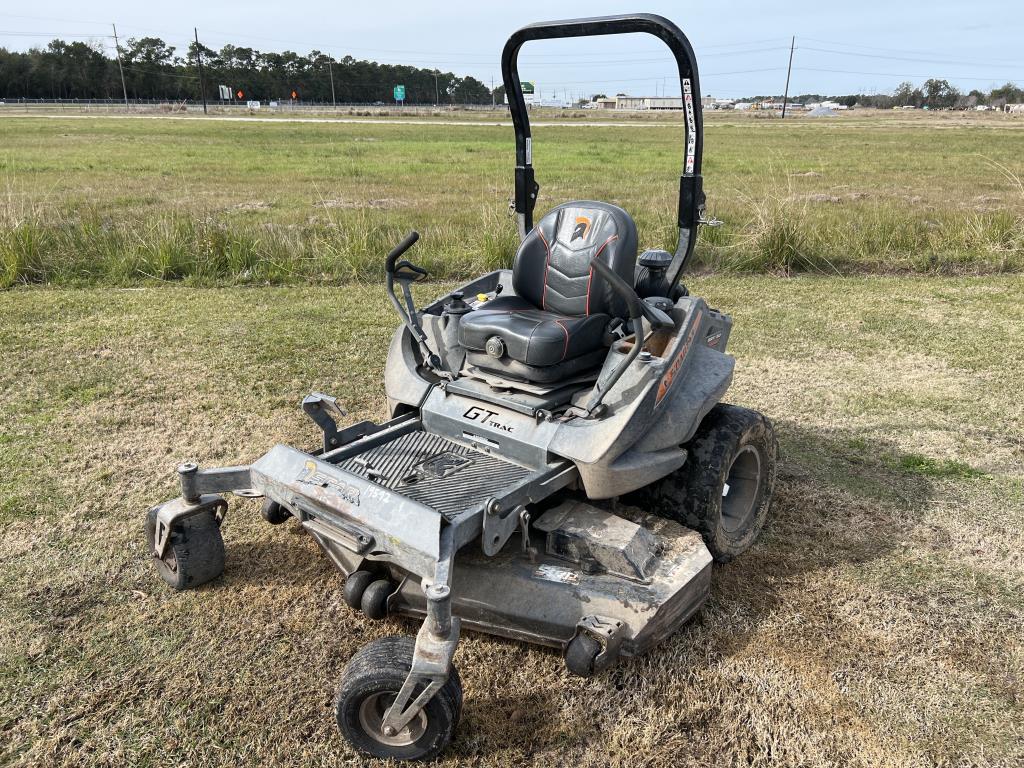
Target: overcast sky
<point x="742" y="47"/>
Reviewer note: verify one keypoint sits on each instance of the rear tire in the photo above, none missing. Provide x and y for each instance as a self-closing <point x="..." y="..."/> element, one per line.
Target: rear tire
<point x="369" y="684"/>
<point x="724" y="490"/>
<point x="195" y="551"/>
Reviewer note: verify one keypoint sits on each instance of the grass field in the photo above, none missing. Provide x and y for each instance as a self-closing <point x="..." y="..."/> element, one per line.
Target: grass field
<point x="127" y="202"/>
<point x="877" y="623"/>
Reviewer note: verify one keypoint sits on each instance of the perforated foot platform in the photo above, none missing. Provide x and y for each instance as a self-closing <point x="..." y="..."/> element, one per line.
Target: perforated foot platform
<point x="435" y="471"/>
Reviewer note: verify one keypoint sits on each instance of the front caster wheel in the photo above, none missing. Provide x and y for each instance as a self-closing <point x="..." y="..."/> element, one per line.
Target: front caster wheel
<point x="369" y="685"/>
<point x="195" y="552"/>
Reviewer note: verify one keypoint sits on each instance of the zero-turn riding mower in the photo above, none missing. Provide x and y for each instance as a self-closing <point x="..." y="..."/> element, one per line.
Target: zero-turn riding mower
<point x="523" y="405"/>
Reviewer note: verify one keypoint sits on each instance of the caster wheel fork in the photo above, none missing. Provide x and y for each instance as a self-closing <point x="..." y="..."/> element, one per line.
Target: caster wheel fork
<point x="401" y="697"/>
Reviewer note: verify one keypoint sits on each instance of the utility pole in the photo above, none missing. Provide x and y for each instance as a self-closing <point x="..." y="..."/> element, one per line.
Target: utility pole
<point x="492" y="92"/>
<point x="789" y="71"/>
<point x="120" y="69"/>
<point x="437" y="100"/>
<point x="199" y="59"/>
<point x="330" y="71"/>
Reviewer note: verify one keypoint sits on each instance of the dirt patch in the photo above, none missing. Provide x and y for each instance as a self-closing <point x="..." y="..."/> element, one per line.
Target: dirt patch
<point x="379" y="203"/>
<point x="252" y="205"/>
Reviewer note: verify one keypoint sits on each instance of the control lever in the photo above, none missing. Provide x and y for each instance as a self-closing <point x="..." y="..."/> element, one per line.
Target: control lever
<point x="408" y="273"/>
<point x="637" y="309"/>
<point x="398" y="250"/>
<point x="659" y="320"/>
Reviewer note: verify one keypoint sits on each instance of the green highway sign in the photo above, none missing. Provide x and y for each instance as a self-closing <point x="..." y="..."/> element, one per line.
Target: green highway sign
<point x="528" y="87"/>
<point x="399" y="93"/>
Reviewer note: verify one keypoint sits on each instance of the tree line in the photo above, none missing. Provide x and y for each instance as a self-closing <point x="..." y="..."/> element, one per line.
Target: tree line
<point x="153" y="70"/>
<point x="934" y="93"/>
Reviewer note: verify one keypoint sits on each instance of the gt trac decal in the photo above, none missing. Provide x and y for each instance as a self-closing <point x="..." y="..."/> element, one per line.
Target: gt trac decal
<point x="677" y="362"/>
<point x="485" y="417"/>
<point x="310" y="474"/>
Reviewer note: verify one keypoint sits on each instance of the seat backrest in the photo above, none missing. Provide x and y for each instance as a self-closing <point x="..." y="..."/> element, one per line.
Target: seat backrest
<point x="552" y="267"/>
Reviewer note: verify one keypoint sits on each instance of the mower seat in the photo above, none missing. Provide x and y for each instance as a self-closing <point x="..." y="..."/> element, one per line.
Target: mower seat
<point x="554" y="327"/>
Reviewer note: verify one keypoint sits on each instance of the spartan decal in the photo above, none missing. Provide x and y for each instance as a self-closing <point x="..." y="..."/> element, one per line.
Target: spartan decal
<point x="582" y="228"/>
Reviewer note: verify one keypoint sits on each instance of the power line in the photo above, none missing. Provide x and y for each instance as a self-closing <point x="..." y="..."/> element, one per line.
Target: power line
<point x="892" y="74"/>
<point x="901" y="51"/>
<point x="16" y="33"/>
<point x="905" y="58"/>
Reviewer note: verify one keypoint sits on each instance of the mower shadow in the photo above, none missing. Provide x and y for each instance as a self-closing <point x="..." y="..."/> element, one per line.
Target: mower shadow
<point x="277" y="560"/>
<point x="842" y="497"/>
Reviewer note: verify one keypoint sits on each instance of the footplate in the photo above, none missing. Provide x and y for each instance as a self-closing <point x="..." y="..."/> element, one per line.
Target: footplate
<point x="375" y="520"/>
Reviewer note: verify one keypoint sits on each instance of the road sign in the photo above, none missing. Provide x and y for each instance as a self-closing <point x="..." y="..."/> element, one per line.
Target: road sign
<point x="399" y="93"/>
<point x="528" y="88"/>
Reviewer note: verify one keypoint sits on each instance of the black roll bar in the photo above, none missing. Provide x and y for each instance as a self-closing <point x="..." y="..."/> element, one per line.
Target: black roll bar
<point x="691" y="191"/>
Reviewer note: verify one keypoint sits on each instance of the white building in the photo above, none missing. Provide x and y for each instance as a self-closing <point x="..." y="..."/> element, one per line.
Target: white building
<point x="648" y="102"/>
<point x="825" y="105"/>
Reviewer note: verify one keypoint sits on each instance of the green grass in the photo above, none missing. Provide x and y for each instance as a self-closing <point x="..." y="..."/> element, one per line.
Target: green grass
<point x="926" y="465"/>
<point x="127" y="202"/>
<point x="876" y="623"/>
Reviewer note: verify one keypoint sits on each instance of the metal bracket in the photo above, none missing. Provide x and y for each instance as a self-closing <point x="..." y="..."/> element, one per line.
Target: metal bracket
<point x="498" y="526"/>
<point x="609" y="633"/>
<point x="435" y="645"/>
<point x="325" y="411"/>
<point x="703" y="219"/>
<point x="195" y="481"/>
<point x="524" y="531"/>
<point x="173" y="511"/>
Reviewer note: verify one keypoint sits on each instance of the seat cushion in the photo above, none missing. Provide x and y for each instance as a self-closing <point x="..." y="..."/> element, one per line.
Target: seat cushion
<point x="530" y="335"/>
<point x="552" y="266"/>
<point x="507" y="368"/>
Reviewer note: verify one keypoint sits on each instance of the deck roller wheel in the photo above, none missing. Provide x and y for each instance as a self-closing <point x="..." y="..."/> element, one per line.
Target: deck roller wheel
<point x="374" y="602"/>
<point x="274" y="513"/>
<point x="355" y="585"/>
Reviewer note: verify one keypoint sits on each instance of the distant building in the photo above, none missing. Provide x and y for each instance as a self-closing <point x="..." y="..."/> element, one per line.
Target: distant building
<point x="648" y="102"/>
<point x="605" y="103"/>
<point x="713" y="104"/>
<point x="824" y="105"/>
<point x="1016" y="109"/>
<point x="742" y="106"/>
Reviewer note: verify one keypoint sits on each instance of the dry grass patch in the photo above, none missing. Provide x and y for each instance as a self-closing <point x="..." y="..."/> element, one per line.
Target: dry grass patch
<point x="877" y="622"/>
